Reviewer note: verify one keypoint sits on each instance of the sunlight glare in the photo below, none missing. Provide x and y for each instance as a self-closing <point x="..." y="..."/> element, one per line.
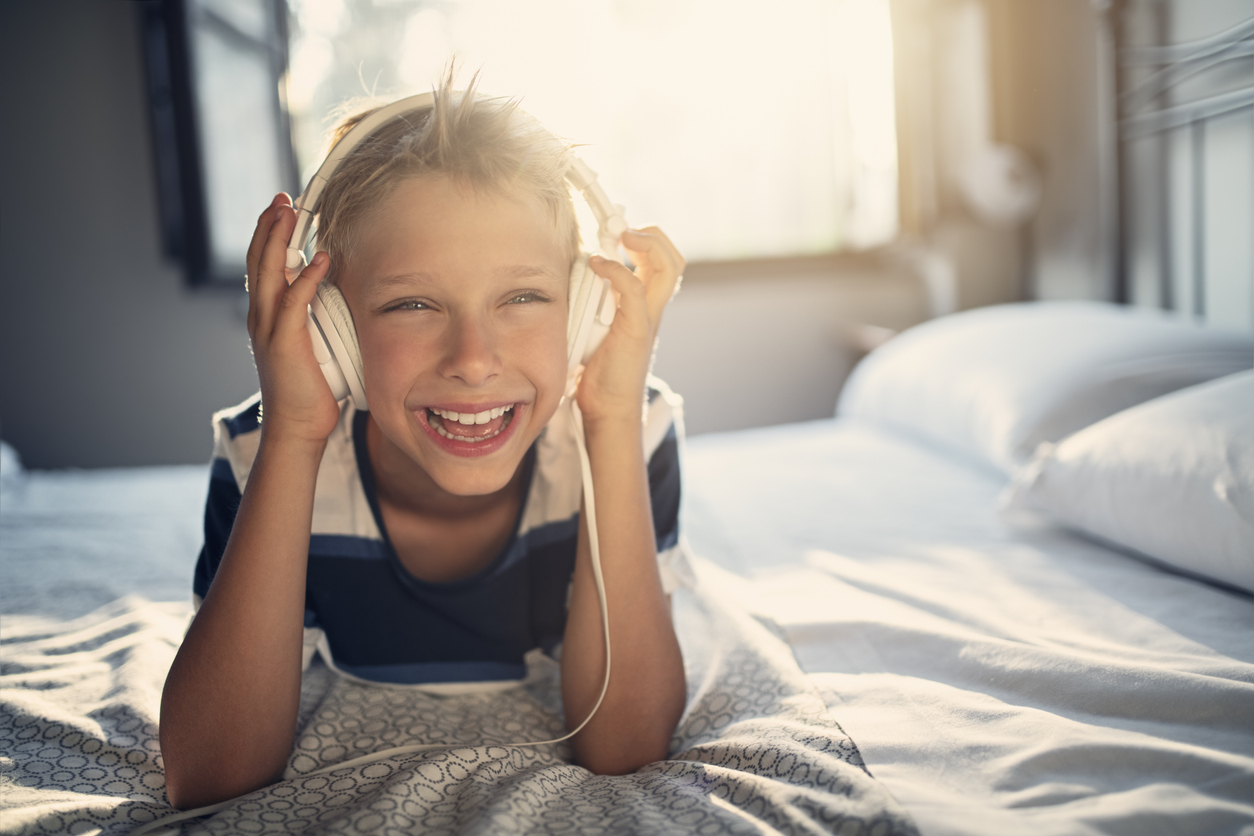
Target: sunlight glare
<point x="748" y="130"/>
<point x="865" y="34"/>
<point x="309" y="64"/>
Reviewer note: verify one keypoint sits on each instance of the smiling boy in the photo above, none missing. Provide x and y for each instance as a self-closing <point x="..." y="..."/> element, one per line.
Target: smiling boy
<point x="438" y="537"/>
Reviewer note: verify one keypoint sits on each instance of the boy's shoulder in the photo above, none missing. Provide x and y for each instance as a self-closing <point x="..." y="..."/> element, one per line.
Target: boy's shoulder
<point x="556" y="486"/>
<point x="237" y="435"/>
<point x="663" y="414"/>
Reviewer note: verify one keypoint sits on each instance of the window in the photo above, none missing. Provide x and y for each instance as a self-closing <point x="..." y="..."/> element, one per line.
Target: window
<point x="220" y="132"/>
<point x="746" y="129"/>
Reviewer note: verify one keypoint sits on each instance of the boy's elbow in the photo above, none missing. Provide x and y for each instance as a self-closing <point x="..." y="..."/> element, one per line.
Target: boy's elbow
<point x="186" y="792"/>
<point x="193" y="779"/>
<point x="180" y="795"/>
<point x="615" y="765"/>
<point x="619" y="757"/>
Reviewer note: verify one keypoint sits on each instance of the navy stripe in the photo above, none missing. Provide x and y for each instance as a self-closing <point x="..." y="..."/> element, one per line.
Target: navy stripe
<point x="418" y="673"/>
<point x="664" y="490"/>
<point x="220" y="508"/>
<point x="551" y="532"/>
<point x="667" y="541"/>
<point x="246" y="421"/>
<point x="221" y="469"/>
<point x="347" y="546"/>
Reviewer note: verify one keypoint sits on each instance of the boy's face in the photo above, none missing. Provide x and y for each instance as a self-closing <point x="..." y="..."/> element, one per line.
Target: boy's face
<point x="459" y="300"/>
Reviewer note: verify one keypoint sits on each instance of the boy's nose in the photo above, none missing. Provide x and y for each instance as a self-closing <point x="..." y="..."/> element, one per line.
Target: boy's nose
<point x="472" y="353"/>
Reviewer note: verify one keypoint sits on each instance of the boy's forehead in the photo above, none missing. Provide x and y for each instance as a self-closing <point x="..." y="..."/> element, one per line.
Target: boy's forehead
<point x="428" y="227"/>
<point x="448" y="196"/>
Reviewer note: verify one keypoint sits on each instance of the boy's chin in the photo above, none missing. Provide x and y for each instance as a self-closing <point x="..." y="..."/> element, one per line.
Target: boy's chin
<point x="478" y="479"/>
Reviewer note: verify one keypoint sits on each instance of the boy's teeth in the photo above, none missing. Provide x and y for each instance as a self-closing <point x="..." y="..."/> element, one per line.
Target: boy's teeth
<point x="447" y="415"/>
<point x="472" y="417"/>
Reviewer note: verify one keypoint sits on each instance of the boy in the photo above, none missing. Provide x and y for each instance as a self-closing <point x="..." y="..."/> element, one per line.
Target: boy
<point x="436" y="537"/>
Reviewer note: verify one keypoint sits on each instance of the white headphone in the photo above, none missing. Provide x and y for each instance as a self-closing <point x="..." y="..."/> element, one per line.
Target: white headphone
<point x="592" y="302"/>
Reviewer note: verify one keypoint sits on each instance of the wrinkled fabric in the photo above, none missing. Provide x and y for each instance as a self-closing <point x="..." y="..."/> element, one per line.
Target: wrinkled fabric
<point x="756" y="752"/>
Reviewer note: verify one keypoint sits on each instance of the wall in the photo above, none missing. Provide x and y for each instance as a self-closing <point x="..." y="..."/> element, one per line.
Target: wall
<point x="1048" y="83"/>
<point x="1026" y="73"/>
<point x="109" y="359"/>
<point x="763" y="344"/>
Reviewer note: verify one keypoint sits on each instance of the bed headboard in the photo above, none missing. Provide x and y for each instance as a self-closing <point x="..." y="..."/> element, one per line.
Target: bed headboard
<point x="1184" y="84"/>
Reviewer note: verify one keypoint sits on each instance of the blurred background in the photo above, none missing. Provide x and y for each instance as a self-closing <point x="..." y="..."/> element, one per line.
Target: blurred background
<point x="835" y="171"/>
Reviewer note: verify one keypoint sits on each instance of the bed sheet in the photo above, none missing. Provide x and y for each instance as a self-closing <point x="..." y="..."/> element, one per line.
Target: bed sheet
<point x="997" y="679"/>
<point x="72" y="541"/>
<point x="756" y="752"/>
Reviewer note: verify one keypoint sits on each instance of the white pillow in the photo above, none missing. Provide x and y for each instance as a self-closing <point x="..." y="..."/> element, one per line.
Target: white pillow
<point x="1172" y="478"/>
<point x="993" y="383"/>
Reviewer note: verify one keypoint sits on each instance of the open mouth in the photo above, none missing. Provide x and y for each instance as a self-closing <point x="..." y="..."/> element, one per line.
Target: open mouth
<point x="470" y="427"/>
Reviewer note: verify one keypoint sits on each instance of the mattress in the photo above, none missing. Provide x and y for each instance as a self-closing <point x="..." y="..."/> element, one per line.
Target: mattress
<point x="997" y="678"/>
<point x="901" y="623"/>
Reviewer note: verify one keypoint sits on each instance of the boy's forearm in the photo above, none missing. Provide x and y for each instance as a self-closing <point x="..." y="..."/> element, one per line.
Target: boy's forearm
<point x="647" y="690"/>
<point x="230" y="701"/>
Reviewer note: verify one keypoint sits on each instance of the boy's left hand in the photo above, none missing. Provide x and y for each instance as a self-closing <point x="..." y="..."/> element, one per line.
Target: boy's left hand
<point x="612" y="384"/>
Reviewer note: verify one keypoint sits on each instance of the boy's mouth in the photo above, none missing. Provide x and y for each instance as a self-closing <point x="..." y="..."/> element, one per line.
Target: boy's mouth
<point x="473" y="428"/>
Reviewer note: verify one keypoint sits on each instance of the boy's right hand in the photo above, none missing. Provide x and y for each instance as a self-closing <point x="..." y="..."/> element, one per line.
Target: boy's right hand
<point x="297" y="404"/>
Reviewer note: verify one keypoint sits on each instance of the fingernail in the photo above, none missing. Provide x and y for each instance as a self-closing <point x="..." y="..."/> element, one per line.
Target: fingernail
<point x="597" y="258"/>
<point x="277" y="198"/>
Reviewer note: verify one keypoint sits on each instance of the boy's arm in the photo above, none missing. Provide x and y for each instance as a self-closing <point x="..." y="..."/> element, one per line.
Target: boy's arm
<point x="647" y="688"/>
<point x="646" y="696"/>
<point x="228" y="711"/>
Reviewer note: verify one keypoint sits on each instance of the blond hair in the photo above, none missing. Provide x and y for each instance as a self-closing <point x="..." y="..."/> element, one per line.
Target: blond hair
<point x="484" y="143"/>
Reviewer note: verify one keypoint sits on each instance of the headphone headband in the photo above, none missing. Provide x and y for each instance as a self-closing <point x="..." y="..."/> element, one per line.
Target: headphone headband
<point x="609" y="217"/>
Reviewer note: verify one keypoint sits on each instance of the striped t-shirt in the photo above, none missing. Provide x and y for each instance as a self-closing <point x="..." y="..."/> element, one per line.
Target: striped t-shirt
<point x="370" y="618"/>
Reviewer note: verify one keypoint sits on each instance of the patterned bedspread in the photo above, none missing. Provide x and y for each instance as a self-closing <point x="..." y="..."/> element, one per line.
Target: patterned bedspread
<point x="756" y="751"/>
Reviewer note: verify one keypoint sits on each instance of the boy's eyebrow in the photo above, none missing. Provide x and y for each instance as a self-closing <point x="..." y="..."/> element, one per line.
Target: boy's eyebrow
<point x="525" y="271"/>
<point x="514" y="272"/>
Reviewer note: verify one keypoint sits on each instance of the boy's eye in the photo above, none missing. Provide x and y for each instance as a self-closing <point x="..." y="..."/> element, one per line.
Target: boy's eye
<point x="410" y="305"/>
<point x="528" y="296"/>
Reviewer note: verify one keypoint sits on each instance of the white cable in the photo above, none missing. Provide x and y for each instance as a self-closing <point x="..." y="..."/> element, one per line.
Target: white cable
<point x="594" y="547"/>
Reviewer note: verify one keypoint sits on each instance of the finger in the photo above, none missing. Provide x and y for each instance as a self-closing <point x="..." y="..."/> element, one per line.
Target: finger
<point x="271" y="274"/>
<point x="632" y="301"/>
<point x="258" y="237"/>
<point x="294" y="306"/>
<point x="253" y="259"/>
<point x="666" y="241"/>
<point x="652" y="250"/>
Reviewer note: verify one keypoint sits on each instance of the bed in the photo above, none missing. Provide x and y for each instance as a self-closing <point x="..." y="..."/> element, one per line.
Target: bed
<point x="1009" y="588"/>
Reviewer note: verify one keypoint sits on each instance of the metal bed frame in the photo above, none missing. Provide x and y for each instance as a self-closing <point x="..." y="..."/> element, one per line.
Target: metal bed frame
<point x="1154" y="116"/>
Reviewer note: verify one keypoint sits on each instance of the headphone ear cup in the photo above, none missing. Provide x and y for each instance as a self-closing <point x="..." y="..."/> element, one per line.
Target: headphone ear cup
<point x="580" y="290"/>
<point x="336" y="321"/>
<point x="592" y="307"/>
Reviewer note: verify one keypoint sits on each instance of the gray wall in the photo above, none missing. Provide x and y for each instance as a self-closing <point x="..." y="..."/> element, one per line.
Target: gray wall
<point x="1048" y="82"/>
<point x="109" y="359"/>
<point x="764" y="344"/>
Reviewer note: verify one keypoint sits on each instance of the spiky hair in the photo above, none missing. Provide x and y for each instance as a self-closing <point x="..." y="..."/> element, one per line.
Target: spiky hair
<point x="485" y="143"/>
